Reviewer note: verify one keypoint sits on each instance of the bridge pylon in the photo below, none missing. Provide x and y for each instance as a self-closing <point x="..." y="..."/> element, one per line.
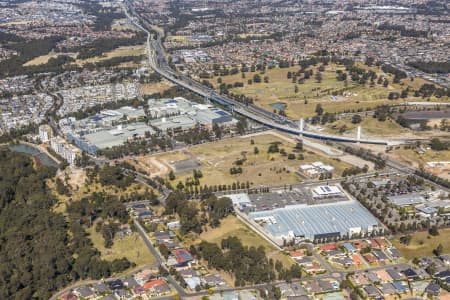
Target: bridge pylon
<point x="358" y="134"/>
<point x="301" y="127"/>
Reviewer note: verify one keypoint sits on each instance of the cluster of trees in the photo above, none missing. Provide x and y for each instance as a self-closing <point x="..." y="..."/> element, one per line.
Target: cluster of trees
<point x="61" y="187"/>
<point x="100" y="46"/>
<point x="274" y="147"/>
<point x="398" y="220"/>
<point x="17" y="133"/>
<point x="102" y="206"/>
<point x="192" y="187"/>
<point x="444" y="125"/>
<point x="355" y="170"/>
<point x="436" y="179"/>
<point x="89" y="111"/>
<point x="241" y="98"/>
<point x="431" y="67"/>
<point x="407" y="32"/>
<point x="153" y="143"/>
<point x="187" y="211"/>
<point x="341" y="76"/>
<point x="56" y="65"/>
<point x="113" y="61"/>
<point x="404" y="122"/>
<point x="82" y="214"/>
<point x="249" y="265"/>
<point x="113" y="176"/>
<point x="6" y="37"/>
<point x="361" y="75"/>
<point x="379" y="162"/>
<point x="438" y="145"/>
<point x="34" y="48"/>
<point x="356" y="119"/>
<point x="42" y="251"/>
<point x="192" y="219"/>
<point x="27" y="50"/>
<point x="399" y="74"/>
<point x="382" y="112"/>
<point x="324" y="118"/>
<point x="103" y="16"/>
<point x="195" y="136"/>
<point x="428" y="90"/>
<point x="235" y="170"/>
<point x="217" y="209"/>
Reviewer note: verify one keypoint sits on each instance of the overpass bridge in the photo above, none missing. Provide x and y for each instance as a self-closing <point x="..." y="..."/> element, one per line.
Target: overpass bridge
<point x="158" y="62"/>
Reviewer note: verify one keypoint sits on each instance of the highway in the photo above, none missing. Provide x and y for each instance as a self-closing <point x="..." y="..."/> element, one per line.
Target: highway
<point x="157" y="60"/>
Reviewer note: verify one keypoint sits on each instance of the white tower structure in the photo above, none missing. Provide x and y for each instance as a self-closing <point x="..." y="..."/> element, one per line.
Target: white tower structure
<point x="358" y="134"/>
<point x="302" y="126"/>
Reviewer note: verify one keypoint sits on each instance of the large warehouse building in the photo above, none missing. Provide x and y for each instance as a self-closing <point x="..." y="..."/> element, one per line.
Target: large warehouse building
<point x="316" y="222"/>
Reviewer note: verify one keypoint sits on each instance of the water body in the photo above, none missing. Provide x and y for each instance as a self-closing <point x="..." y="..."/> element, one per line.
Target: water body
<point x="40" y="156"/>
<point x="280" y="106"/>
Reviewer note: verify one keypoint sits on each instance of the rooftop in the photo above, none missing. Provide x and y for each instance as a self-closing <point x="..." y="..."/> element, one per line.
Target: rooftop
<point x="303" y="220"/>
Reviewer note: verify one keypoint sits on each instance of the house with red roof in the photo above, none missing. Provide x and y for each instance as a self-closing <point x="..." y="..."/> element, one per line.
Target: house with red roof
<point x="69" y="296"/>
<point x="297" y="254"/>
<point x="370" y="258"/>
<point x="182" y="256"/>
<point x="152" y="284"/>
<point x="356" y="260"/>
<point x="361" y="244"/>
<point x="379" y="243"/>
<point x="328" y="247"/>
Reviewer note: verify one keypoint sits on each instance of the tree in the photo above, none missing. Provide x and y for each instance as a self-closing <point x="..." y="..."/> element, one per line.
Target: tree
<point x="356" y="119"/>
<point x="439" y="249"/>
<point x="404" y="94"/>
<point x="406" y="239"/>
<point x="164" y="250"/>
<point x="299" y="146"/>
<point x="241" y="126"/>
<point x="171" y="175"/>
<point x="319" y="109"/>
<point x="36" y="260"/>
<point x="438" y="145"/>
<point x="433" y="230"/>
<point x="217" y="130"/>
<point x="318" y="77"/>
<point x="255" y="150"/>
<point x="276" y="292"/>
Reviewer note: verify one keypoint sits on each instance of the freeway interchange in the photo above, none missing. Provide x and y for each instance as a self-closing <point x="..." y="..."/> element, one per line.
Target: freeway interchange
<point x="158" y="62"/>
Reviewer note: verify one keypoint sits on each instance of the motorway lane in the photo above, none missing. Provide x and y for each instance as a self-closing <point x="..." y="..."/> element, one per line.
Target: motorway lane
<point x="156" y="53"/>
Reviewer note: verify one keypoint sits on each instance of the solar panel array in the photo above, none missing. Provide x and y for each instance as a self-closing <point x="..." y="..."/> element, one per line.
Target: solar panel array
<point x="314" y="220"/>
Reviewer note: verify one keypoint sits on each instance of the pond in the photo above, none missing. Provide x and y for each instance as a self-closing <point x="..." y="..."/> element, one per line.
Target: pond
<point x="40" y="156"/>
<point x="280" y="106"/>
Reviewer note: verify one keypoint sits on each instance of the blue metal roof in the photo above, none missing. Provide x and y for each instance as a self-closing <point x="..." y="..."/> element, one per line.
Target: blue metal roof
<point x="315" y="220"/>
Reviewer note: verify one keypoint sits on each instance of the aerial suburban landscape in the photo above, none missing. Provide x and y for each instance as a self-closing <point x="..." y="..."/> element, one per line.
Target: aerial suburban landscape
<point x="224" y="149"/>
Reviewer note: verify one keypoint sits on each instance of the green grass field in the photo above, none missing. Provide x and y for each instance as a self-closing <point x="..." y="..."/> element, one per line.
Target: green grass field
<point x="370" y="127"/>
<point x="281" y="89"/>
<point x="132" y="247"/>
<point x="259" y="169"/>
<point x="422" y="244"/>
<point x="232" y="226"/>
<point x="411" y="156"/>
